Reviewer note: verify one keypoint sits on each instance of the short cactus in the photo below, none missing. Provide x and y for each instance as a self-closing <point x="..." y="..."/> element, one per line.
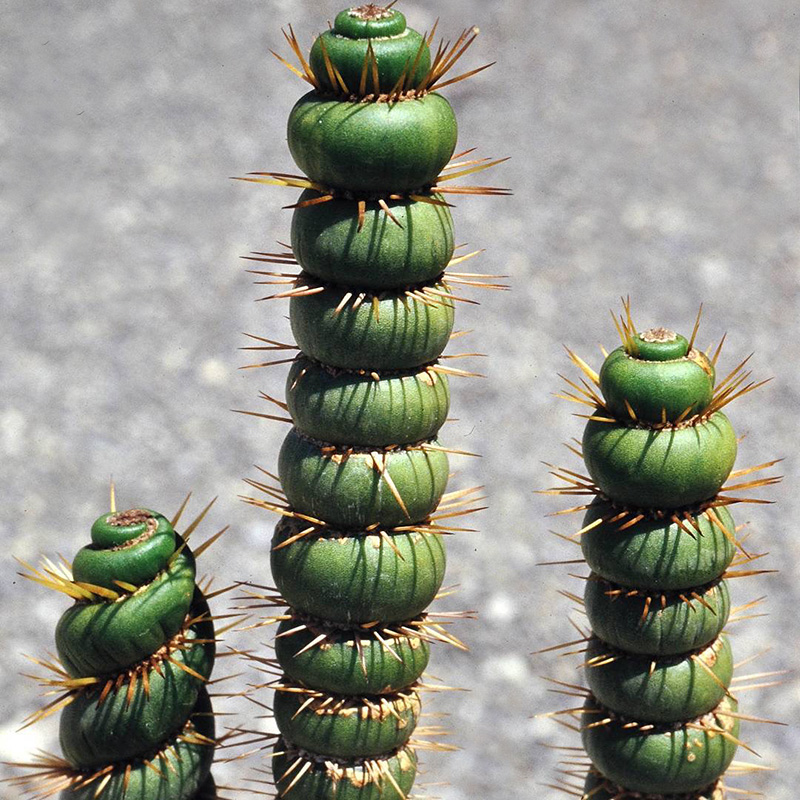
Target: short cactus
<point x="359" y="553"/>
<point x="134" y="654"/>
<point x="660" y="718"/>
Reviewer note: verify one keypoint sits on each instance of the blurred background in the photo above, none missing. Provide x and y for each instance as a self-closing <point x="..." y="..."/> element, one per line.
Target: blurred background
<point x="653" y="152"/>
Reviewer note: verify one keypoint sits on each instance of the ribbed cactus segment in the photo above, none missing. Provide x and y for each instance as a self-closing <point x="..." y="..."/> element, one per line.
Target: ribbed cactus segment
<point x="660" y="719"/>
<point x="358" y="555"/>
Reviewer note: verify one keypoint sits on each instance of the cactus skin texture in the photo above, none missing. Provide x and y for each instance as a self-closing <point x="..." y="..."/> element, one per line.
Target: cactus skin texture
<point x="137" y="648"/>
<point x="357" y="556"/>
<point x="659" y="720"/>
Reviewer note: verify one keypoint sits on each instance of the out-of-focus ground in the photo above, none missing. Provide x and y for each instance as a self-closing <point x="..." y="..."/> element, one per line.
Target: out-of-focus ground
<point x="653" y="154"/>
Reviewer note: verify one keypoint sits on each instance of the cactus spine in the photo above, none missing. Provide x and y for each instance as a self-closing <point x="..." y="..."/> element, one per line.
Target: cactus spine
<point x="134" y="653"/>
<point x="358" y="554"/>
<point x="660" y="718"/>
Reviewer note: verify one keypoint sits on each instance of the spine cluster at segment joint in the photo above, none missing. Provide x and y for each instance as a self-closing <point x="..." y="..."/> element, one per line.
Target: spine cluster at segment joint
<point x="358" y="554"/>
<point x="661" y="717"/>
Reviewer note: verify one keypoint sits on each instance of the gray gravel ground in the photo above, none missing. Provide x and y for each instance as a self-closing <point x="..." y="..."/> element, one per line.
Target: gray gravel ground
<point x="654" y="154"/>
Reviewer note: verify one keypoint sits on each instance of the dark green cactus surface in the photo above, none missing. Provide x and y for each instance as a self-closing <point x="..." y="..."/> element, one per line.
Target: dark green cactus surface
<point x="660" y="719"/>
<point x="359" y="555"/>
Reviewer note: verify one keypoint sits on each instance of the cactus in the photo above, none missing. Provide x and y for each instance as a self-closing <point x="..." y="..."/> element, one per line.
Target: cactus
<point x="359" y="552"/>
<point x="660" y="717"/>
<point x="135" y="651"/>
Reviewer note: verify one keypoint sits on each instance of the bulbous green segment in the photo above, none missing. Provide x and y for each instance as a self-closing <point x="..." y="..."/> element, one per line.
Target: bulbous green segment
<point x="369" y="22"/>
<point x="372" y="148"/>
<point x="658" y="344"/>
<point x="341" y="665"/>
<point x="355" y="409"/>
<point x="357" y="579"/>
<point x="329" y="779"/>
<point x="660" y="469"/>
<point x="400" y="333"/>
<point x="129" y="546"/>
<point x="405" y="53"/>
<point x="665" y="625"/>
<point x="667" y="761"/>
<point x="383" y="255"/>
<point x="677" y="688"/>
<point x="599" y="788"/>
<point x="658" y="554"/>
<point x="358" y="489"/>
<point x="347" y="727"/>
<point x="179" y="768"/>
<point x="95" y="639"/>
<point x="125" y="726"/>
<point x="657" y="391"/>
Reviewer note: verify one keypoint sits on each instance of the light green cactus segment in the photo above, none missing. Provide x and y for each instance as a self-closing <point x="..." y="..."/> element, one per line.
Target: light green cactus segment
<point x="176" y="772"/>
<point x="597" y="787"/>
<point x="412" y="246"/>
<point x="656" y="624"/>
<point x="126" y="725"/>
<point x="380" y="147"/>
<point x="662" y="469"/>
<point x="396" y="333"/>
<point x="360" y="578"/>
<point x="360" y="410"/>
<point x="398" y="52"/>
<point x="350" y="662"/>
<point x="333" y="779"/>
<point x="95" y="639"/>
<point x="659" y="690"/>
<point x="669" y="760"/>
<point x="129" y="546"/>
<point x="346" y="727"/>
<point x="658" y="553"/>
<point x="355" y="490"/>
<point x="656" y="391"/>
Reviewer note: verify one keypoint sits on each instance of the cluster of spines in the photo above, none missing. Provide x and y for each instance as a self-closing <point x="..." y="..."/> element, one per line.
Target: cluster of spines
<point x="358" y="554"/>
<point x="660" y="717"/>
<point x="135" y="653"/>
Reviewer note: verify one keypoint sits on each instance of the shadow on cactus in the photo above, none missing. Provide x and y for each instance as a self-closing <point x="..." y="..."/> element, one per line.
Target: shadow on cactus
<point x="362" y="476"/>
<point x="660" y="717"/>
<point x="135" y="655"/>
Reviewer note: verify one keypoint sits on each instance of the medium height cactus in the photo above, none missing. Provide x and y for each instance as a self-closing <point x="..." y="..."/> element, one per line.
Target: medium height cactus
<point x="660" y="718"/>
<point x="134" y="653"/>
<point x="359" y="554"/>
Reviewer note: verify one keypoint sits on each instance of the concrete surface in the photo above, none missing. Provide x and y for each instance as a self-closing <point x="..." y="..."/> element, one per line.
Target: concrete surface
<point x="653" y="154"/>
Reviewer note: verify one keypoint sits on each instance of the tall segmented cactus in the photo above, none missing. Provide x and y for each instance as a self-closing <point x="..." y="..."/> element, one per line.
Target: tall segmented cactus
<point x="661" y="716"/>
<point x="358" y="554"/>
<point x="134" y="653"/>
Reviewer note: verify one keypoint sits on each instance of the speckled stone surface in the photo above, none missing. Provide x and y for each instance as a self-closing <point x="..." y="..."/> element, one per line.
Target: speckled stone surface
<point x="653" y="154"/>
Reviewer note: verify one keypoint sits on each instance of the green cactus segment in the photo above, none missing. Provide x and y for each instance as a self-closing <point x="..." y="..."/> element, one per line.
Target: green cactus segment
<point x="357" y="579"/>
<point x="355" y="490"/>
<point x="128" y="724"/>
<point x="388" y="778"/>
<point x="358" y="410"/>
<point x="670" y="760"/>
<point x="383" y="147"/>
<point x="658" y="344"/>
<point x="175" y="771"/>
<point x="356" y="41"/>
<point x="95" y="639"/>
<point x="597" y="787"/>
<point x="346" y="727"/>
<point x="657" y="391"/>
<point x="658" y="554"/>
<point x="350" y="662"/>
<point x="383" y="254"/>
<point x="662" y="469"/>
<point x="398" y="332"/>
<point x="656" y="624"/>
<point x="130" y="546"/>
<point x="659" y="690"/>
